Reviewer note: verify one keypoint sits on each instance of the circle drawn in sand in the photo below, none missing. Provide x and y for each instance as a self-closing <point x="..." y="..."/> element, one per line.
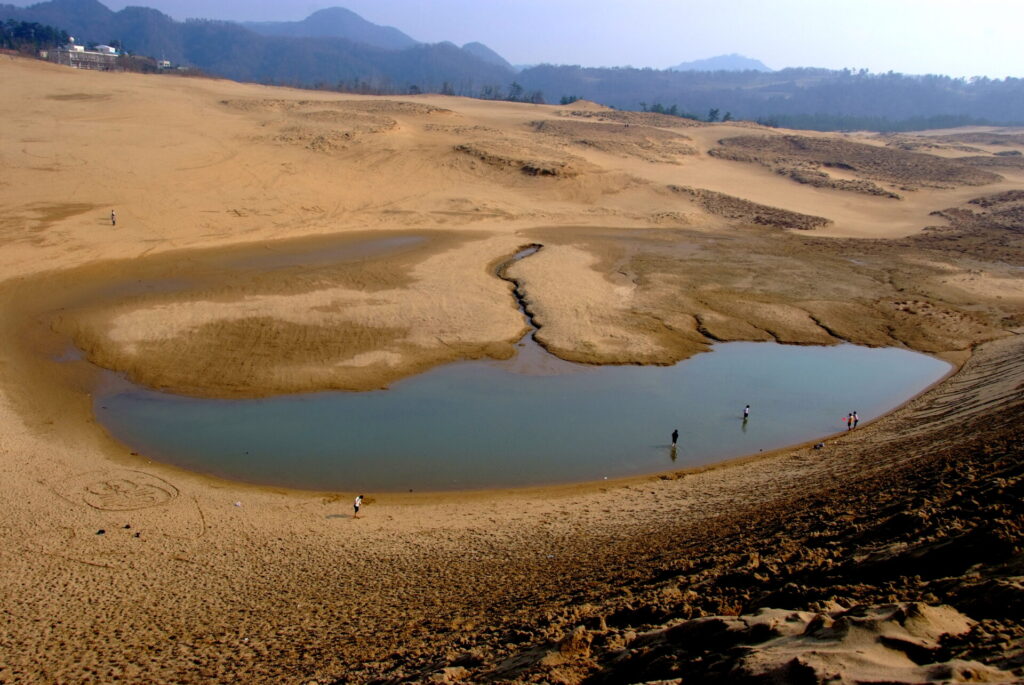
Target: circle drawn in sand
<point x="134" y="490"/>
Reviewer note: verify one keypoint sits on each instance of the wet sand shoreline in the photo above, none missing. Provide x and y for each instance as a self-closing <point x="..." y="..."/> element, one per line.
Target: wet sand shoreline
<point x="206" y="265"/>
<point x="537" y="524"/>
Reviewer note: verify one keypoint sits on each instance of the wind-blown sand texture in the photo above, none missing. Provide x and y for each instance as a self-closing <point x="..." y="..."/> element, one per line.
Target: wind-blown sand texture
<point x="895" y="549"/>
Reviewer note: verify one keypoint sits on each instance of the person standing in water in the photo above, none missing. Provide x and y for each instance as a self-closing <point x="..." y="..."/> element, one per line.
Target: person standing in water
<point x="675" y="437"/>
<point x="355" y="505"/>
<point x="746" y="412"/>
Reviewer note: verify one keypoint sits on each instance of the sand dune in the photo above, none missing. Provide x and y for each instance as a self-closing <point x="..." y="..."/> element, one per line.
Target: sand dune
<point x="211" y="179"/>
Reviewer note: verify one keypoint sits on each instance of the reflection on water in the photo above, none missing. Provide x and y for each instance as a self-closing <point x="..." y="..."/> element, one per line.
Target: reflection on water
<point x="531" y="420"/>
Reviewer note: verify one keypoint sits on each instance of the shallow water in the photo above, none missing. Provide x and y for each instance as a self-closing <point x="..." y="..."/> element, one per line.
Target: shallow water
<point x="531" y="420"/>
<point x="284" y="256"/>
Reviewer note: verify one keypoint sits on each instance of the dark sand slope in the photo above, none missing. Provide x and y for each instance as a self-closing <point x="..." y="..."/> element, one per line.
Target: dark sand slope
<point x="853" y="559"/>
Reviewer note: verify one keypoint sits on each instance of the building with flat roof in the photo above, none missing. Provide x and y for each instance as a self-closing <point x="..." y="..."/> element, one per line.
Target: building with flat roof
<point x="102" y="58"/>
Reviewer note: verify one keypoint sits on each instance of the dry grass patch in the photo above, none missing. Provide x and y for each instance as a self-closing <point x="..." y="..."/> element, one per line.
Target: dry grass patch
<point x="645" y="142"/>
<point x="738" y="209"/>
<point x="804" y="157"/>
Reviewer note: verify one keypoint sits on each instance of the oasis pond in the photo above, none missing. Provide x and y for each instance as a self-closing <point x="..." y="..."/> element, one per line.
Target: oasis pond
<point x="531" y="420"/>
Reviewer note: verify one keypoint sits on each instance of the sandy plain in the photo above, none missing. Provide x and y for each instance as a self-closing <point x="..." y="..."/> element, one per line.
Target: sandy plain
<point x="656" y="244"/>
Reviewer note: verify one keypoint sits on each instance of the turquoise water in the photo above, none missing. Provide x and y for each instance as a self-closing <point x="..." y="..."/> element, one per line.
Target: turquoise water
<point x="528" y="421"/>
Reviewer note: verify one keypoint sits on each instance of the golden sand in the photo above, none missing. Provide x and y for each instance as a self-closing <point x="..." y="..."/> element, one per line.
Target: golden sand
<point x="196" y="579"/>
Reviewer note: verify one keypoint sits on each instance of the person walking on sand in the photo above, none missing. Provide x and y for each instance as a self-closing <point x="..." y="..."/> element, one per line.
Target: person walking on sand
<point x="355" y="505"/>
<point x="113" y="218"/>
<point x="675" y="436"/>
<point x="856" y="419"/>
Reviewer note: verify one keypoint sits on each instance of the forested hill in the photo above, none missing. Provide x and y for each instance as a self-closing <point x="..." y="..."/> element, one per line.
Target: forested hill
<point x="335" y="22"/>
<point x="336" y="49"/>
<point x="803" y="98"/>
<point x="731" y="62"/>
<point x="230" y="50"/>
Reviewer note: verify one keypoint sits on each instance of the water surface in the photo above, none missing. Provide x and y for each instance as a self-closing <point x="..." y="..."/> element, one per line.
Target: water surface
<point x="531" y="420"/>
<point x="286" y="255"/>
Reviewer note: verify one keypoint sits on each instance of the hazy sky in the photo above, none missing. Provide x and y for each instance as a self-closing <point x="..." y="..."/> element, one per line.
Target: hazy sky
<point x="955" y="37"/>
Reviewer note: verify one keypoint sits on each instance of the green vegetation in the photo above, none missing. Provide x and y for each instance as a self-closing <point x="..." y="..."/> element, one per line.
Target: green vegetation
<point x="839" y="122"/>
<point x="516" y="93"/>
<point x="820" y="99"/>
<point x="672" y="111"/>
<point x="30" y="37"/>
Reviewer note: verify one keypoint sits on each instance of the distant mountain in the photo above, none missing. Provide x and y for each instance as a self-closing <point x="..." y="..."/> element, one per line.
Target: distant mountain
<point x="731" y="62"/>
<point x="486" y="54"/>
<point x="74" y="16"/>
<point x="731" y="85"/>
<point x="140" y="29"/>
<point x="821" y="99"/>
<point x="335" y="22"/>
<point x="233" y="51"/>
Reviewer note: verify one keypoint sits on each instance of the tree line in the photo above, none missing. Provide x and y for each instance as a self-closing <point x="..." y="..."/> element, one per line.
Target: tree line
<point x="30" y="37"/>
<point x="838" y="122"/>
<point x="714" y="114"/>
<point x="808" y="98"/>
<point x="814" y="98"/>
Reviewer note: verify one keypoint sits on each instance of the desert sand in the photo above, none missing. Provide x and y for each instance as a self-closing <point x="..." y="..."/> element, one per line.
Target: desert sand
<point x="661" y="236"/>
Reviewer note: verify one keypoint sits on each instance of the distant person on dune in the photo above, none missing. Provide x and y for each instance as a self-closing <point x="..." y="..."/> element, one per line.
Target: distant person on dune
<point x="113" y="218"/>
<point x="355" y="505"/>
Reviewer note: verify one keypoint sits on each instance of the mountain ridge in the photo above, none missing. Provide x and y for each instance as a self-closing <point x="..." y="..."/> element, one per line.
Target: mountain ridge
<point x="232" y="50"/>
<point x="731" y="62"/>
<point x="807" y="98"/>
<point x="335" y="22"/>
<point x="487" y="54"/>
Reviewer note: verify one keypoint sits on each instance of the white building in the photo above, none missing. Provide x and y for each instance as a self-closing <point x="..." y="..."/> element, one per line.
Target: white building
<point x="103" y="58"/>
